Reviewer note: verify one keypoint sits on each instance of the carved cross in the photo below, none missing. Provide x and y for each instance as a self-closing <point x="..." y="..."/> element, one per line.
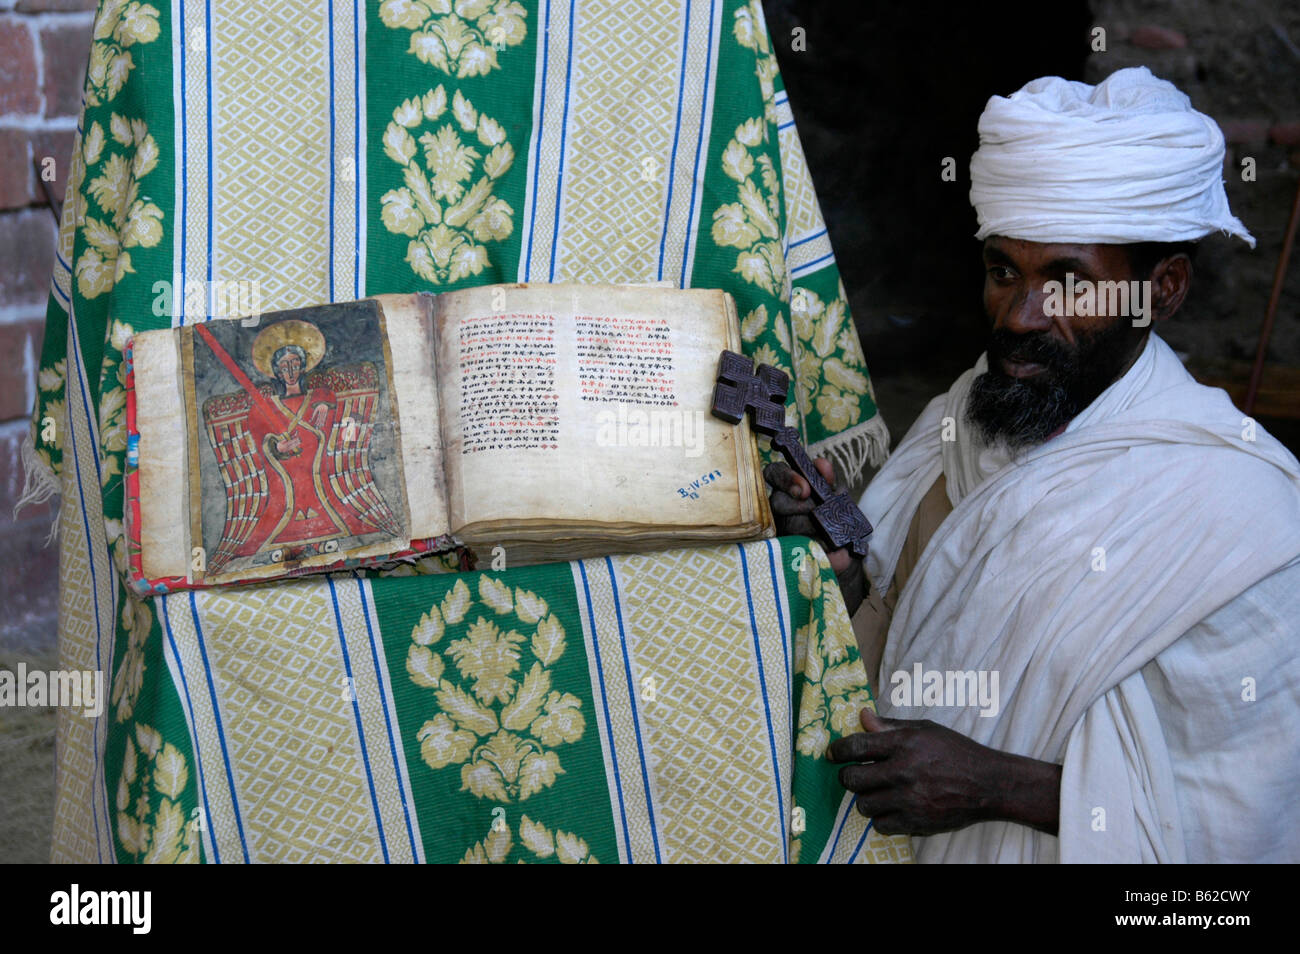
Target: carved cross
<point x="762" y="394"/>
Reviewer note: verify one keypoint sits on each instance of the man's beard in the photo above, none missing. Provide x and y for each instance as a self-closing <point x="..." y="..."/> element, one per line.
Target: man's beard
<point x="1026" y="411"/>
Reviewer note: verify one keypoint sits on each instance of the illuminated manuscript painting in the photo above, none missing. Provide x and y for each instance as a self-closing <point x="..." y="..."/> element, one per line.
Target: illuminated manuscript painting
<point x="297" y="448"/>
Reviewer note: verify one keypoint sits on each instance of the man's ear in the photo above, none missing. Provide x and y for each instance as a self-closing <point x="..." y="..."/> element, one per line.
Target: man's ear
<point x="1170" y="281"/>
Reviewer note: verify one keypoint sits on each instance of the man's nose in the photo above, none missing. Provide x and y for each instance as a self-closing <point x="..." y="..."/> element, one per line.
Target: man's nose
<point x="1025" y="312"/>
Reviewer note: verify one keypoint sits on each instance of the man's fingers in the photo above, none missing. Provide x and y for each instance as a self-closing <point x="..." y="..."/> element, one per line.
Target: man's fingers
<point x="826" y="469"/>
<point x="872" y="722"/>
<point x="783" y="505"/>
<point x="870" y="745"/>
<point x="885" y="803"/>
<point x="887" y="824"/>
<point x="861" y="747"/>
<point x="782" y="477"/>
<point x="873" y="777"/>
<point x="793" y="525"/>
<point x="840" y="559"/>
<point x="790" y="511"/>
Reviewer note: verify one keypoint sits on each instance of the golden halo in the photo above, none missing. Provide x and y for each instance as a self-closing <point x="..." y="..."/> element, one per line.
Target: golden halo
<point x="292" y="332"/>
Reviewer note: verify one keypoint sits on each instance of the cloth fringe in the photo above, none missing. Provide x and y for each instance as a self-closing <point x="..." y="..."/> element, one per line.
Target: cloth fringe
<point x="853" y="450"/>
<point x="39" y="483"/>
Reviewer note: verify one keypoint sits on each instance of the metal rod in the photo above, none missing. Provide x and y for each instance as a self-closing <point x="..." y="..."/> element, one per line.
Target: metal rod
<point x="1266" y="332"/>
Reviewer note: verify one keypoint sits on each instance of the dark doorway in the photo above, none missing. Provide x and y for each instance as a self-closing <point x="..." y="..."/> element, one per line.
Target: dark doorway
<point x="882" y="94"/>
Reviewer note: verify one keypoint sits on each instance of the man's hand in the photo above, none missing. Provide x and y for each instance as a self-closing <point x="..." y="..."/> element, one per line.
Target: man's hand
<point x="792" y="507"/>
<point x="318" y="415"/>
<point x="921" y="779"/>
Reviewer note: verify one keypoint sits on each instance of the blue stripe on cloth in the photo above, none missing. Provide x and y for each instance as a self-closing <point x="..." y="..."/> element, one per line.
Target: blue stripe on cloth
<point x="808" y="238"/>
<point x="216" y="717"/>
<point x="699" y="148"/>
<point x="179" y="275"/>
<point x="785" y="637"/>
<point x="357" y="106"/>
<point x="212" y="218"/>
<point x="767" y="707"/>
<point x="545" y="41"/>
<point x="59" y="291"/>
<point x="840" y="830"/>
<point x="94" y="585"/>
<point x="92" y="420"/>
<point x="604" y="701"/>
<point x="190" y="725"/>
<point x="816" y="263"/>
<point x="564" y="138"/>
<point x="92" y="428"/>
<point x="380" y="676"/>
<point x="785" y="126"/>
<point x="861" y="841"/>
<point x="356" y="715"/>
<point x="636" y="719"/>
<point x="677" y="131"/>
<point x="329" y="7"/>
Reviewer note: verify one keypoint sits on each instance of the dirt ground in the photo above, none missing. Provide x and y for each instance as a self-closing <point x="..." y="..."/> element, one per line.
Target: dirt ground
<point x="26" y="772"/>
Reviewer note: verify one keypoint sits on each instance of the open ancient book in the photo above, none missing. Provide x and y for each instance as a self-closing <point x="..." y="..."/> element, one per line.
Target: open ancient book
<point x="555" y="421"/>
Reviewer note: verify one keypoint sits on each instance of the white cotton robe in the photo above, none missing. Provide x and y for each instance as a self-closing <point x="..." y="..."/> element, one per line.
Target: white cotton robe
<point x="1135" y="583"/>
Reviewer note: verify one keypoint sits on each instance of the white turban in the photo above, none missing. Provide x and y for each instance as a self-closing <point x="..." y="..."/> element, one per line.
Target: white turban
<point x="1127" y="160"/>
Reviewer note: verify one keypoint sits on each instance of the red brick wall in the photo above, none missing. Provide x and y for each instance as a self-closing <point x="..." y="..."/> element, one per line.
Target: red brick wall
<point x="44" y="45"/>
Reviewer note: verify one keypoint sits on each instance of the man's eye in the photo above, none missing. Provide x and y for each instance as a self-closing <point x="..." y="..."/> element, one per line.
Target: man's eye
<point x="1000" y="273"/>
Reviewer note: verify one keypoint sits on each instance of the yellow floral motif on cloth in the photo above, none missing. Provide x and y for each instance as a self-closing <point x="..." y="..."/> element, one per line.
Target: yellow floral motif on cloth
<point x="129" y="218"/>
<point x="112" y="420"/>
<point x="49" y="433"/>
<point x="824" y="381"/>
<point x="564" y="846"/>
<point x="821" y="353"/>
<point x="752" y="223"/>
<point x="826" y="654"/>
<point x="136" y="620"/>
<point x="459" y="37"/>
<point x="153" y="767"/>
<point x="750" y="33"/>
<point x="446" y="205"/>
<point x="119" y="26"/>
<point x="503" y="725"/>
<point x="753" y="325"/>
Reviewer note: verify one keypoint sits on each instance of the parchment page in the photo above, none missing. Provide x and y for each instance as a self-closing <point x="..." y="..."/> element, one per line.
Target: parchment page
<point x="409" y="322"/>
<point x="160" y="420"/>
<point x="584" y="403"/>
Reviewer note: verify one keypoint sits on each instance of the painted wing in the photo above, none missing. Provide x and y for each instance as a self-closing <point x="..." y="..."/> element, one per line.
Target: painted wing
<point x="356" y="388"/>
<point x="226" y="420"/>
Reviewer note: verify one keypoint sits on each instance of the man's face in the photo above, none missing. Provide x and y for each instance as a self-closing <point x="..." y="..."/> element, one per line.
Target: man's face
<point x="289" y="369"/>
<point x="1046" y="366"/>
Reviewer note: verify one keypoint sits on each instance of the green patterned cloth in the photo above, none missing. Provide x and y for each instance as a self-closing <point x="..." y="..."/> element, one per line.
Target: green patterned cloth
<point x="544" y="714"/>
<point x="273" y="157"/>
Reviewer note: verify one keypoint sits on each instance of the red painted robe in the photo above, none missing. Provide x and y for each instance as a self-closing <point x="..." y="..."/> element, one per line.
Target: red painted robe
<point x="301" y="506"/>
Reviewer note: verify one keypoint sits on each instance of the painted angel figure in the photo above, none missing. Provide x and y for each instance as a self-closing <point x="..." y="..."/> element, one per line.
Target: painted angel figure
<point x="294" y="451"/>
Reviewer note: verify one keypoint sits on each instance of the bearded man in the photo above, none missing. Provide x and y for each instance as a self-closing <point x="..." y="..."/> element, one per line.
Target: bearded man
<point x="1077" y="524"/>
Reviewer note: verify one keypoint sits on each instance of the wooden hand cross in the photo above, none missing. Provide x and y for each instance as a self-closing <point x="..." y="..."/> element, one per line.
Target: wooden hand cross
<point x="740" y="389"/>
